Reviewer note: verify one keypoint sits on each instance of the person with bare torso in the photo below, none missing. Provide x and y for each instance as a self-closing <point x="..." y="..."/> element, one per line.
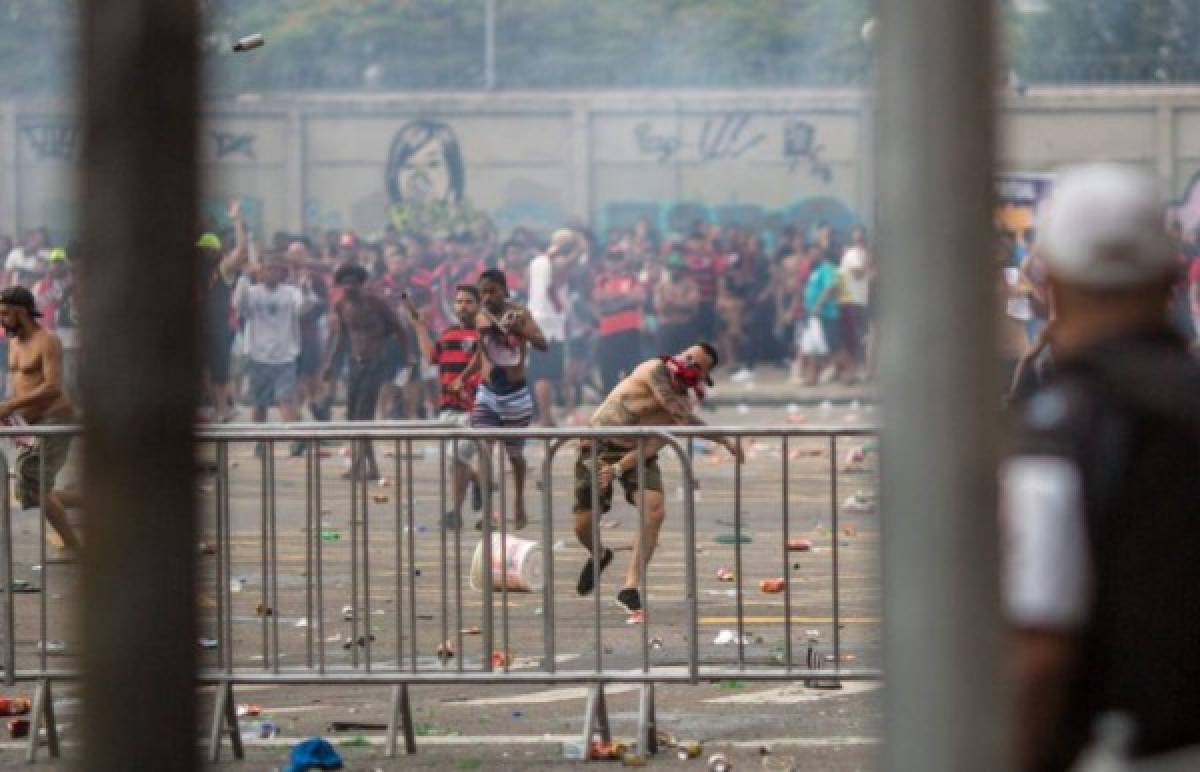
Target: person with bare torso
<point x="367" y="322"/>
<point x="503" y="399"/>
<point x="654" y="394"/>
<point x="36" y="397"/>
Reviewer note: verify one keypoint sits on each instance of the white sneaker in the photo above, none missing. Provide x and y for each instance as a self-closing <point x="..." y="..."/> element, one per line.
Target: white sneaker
<point x="742" y="375"/>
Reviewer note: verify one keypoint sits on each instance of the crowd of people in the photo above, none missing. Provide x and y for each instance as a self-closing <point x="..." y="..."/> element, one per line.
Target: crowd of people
<point x="604" y="304"/>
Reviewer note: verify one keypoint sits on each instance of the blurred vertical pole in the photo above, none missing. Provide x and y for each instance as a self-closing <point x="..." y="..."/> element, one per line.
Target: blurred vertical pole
<point x="138" y="76"/>
<point x="489" y="44"/>
<point x="944" y="653"/>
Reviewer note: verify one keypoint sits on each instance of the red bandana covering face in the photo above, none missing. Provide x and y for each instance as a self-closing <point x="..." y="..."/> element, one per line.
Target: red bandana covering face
<point x="686" y="374"/>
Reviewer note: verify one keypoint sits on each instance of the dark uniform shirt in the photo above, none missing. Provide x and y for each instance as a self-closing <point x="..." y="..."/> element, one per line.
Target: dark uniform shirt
<point x="1123" y="419"/>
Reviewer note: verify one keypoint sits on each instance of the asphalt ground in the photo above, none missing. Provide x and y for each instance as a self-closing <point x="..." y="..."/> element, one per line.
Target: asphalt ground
<point x="466" y="726"/>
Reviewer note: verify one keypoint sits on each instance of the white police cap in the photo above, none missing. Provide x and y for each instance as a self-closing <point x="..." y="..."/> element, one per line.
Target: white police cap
<point x="1104" y="227"/>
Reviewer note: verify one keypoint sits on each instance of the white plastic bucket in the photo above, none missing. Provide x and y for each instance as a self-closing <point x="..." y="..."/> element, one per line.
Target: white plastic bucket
<point x="521" y="568"/>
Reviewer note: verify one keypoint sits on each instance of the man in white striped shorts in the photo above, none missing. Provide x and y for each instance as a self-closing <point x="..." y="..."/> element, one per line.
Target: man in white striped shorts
<point x="503" y="400"/>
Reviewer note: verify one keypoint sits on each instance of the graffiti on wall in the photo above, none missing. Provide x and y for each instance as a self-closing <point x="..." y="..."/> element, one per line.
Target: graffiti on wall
<point x="227" y="144"/>
<point x="800" y="146"/>
<point x="425" y="164"/>
<point x="729" y="136"/>
<point x="53" y="140"/>
<point x="663" y="147"/>
<point x="678" y="217"/>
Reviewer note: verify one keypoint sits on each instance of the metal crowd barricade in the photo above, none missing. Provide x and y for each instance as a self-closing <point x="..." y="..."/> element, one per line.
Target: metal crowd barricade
<point x="326" y="558"/>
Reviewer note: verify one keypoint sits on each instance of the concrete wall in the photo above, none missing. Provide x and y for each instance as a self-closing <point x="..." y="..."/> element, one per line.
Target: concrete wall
<point x="540" y="158"/>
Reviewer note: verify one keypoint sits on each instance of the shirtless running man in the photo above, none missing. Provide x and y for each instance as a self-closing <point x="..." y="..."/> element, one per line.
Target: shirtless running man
<point x="503" y="400"/>
<point x="37" y="398"/>
<point x="365" y="322"/>
<point x="654" y="394"/>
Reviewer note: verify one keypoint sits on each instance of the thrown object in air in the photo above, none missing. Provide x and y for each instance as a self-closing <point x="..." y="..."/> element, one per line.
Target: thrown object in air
<point x="250" y="42"/>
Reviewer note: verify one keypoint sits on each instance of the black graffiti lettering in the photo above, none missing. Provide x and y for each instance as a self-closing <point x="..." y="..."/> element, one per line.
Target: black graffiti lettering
<point x="656" y="144"/>
<point x="800" y="144"/>
<point x="53" y="141"/>
<point x="227" y="144"/>
<point x="724" y="137"/>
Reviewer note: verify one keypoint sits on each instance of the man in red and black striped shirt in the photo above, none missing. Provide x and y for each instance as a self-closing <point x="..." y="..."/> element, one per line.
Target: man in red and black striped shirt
<point x="451" y="353"/>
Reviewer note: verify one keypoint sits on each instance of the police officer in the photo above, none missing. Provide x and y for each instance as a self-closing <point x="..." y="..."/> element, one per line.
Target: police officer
<point x="1101" y="493"/>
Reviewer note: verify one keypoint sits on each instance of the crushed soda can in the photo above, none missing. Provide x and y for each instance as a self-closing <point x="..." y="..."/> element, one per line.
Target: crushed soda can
<point x="772" y="585"/>
<point x="250" y="42"/>
<point x="633" y="760"/>
<point x="380" y="498"/>
<point x="726" y="574"/>
<point x="718" y="762"/>
<point x="799" y="545"/>
<point x="18" y="727"/>
<point x="248" y="710"/>
<point x="726" y="637"/>
<point x="347" y="613"/>
<point x="603" y="750"/>
<point x="859" y="503"/>
<point x="685" y="751"/>
<point x="501" y="658"/>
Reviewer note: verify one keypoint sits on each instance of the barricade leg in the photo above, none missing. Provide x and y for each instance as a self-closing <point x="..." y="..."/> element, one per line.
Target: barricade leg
<point x="224" y="716"/>
<point x="595" y="719"/>
<point x="43" y="711"/>
<point x="401" y="714"/>
<point x="647" y="722"/>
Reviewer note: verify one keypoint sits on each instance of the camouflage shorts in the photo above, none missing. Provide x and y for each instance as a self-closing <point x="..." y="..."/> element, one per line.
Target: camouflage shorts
<point x="610" y="454"/>
<point x="46" y="456"/>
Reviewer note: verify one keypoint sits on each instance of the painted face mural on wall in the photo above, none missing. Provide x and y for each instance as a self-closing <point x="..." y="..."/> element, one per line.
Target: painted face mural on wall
<point x="425" y="164"/>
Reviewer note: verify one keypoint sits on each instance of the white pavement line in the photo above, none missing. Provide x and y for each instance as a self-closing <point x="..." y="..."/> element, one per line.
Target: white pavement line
<point x="794" y="694"/>
<point x="801" y="742"/>
<point x="549" y="695"/>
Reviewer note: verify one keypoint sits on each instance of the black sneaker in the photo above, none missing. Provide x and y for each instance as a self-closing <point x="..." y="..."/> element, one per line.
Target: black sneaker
<point x="586" y="580"/>
<point x="476" y="495"/>
<point x="630" y="599"/>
